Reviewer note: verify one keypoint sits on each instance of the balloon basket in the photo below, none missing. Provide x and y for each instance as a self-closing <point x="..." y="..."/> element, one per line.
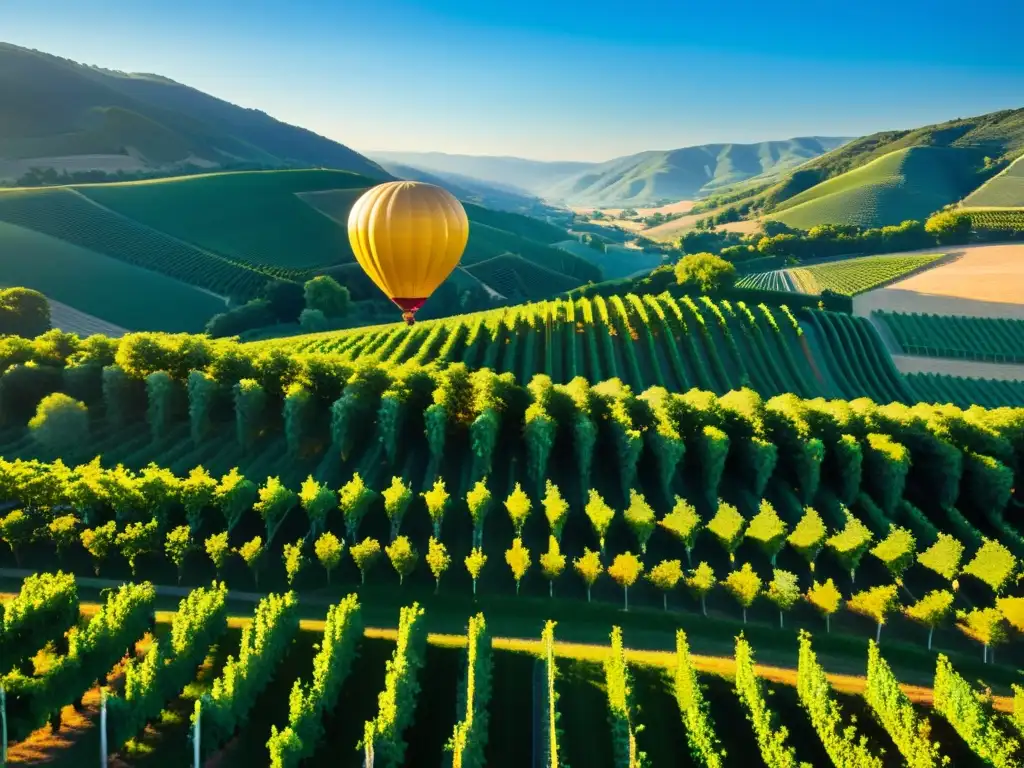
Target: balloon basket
<point x="409" y="317"/>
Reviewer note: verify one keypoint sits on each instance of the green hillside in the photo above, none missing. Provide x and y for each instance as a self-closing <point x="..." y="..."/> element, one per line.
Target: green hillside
<point x="1003" y="191"/>
<point x="904" y="184"/>
<point x="998" y="136"/>
<point x="55" y="108"/>
<point x="108" y="288"/>
<point x="616" y="260"/>
<point x="518" y="279"/>
<point x="230" y="233"/>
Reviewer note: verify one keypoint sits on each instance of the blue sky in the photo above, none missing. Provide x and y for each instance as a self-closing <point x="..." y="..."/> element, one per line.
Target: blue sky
<point x="556" y="79"/>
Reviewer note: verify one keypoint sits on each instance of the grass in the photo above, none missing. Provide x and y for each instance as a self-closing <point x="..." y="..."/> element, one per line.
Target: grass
<point x="64" y="214"/>
<point x="106" y="288"/>
<point x="1003" y="191"/>
<point x="853" y="276"/>
<point x="904" y="184"/>
<point x="253" y="217"/>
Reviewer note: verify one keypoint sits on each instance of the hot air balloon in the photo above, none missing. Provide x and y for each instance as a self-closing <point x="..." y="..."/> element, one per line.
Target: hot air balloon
<point x="408" y="236"/>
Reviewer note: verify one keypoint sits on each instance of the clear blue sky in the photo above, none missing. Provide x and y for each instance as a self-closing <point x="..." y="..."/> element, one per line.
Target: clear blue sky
<point x="558" y="79"/>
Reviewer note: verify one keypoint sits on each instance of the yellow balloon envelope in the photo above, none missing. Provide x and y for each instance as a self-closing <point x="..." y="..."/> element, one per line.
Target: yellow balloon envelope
<point x="408" y="237"/>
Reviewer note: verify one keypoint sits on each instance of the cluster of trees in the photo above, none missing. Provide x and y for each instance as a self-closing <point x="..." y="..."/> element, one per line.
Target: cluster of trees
<point x="23" y="312"/>
<point x="706" y="272"/>
<point x="314" y="305"/>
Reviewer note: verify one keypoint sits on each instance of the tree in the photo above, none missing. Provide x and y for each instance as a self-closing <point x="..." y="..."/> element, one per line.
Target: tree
<point x="701" y="581"/>
<point x="1012" y="609"/>
<point x="875" y="603"/>
<point x="253" y="314"/>
<point x="63" y="532"/>
<point x="931" y="610"/>
<point x="317" y="500"/>
<point x="552" y="563"/>
<point x="16" y="529"/>
<point x="589" y="567"/>
<point x="745" y="586"/>
<point x="137" y="539"/>
<point x="252" y="553"/>
<point x="178" y="545"/>
<point x="396" y="501"/>
<point x="986" y="625"/>
<point x="218" y="550"/>
<point x="198" y="492"/>
<point x="518" y="506"/>
<point x="600" y="516"/>
<point x="665" y="576"/>
<point x="556" y="509"/>
<point x="235" y="495"/>
<point x="705" y="272"/>
<point x="826" y="600"/>
<point x="365" y="554"/>
<point x="850" y="544"/>
<point x="437" y="501"/>
<point x="329" y="549"/>
<point x="325" y="294"/>
<point x="478" y="499"/>
<point x="727" y="527"/>
<point x="403" y="557"/>
<point x="518" y="559"/>
<point x="768" y="531"/>
<point x="354" y="500"/>
<point x="61" y="423"/>
<point x="684" y="523"/>
<point x="809" y="536"/>
<point x="475" y="562"/>
<point x="438" y="561"/>
<point x="784" y="591"/>
<point x="943" y="556"/>
<point x="99" y="541"/>
<point x="949" y="227"/>
<point x="625" y="570"/>
<point x="294" y="560"/>
<point x="640" y="518"/>
<point x="286" y="300"/>
<point x="23" y="312"/>
<point x="313" y="321"/>
<point x="896" y="551"/>
<point x="275" y="502"/>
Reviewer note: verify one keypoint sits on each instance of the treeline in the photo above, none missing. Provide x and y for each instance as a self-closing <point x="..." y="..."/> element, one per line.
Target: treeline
<point x="51" y="177"/>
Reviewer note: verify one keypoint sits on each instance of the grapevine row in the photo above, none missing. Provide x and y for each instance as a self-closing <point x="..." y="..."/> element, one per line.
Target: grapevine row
<point x="469" y="739"/>
<point x="771" y="737"/>
<point x="45" y="606"/>
<point x="621" y="712"/>
<point x="705" y="746"/>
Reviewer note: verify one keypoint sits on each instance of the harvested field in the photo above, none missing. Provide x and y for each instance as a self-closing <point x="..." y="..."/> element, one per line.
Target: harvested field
<point x="683" y="206"/>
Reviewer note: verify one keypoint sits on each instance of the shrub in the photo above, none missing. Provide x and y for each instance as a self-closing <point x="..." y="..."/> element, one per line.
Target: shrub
<point x="23" y="312"/>
<point x="60" y="423"/>
<point x="705" y="271"/>
<point x="325" y="295"/>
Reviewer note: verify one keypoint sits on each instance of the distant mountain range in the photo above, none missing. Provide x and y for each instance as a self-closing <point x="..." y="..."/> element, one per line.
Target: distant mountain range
<point x="641" y="179"/>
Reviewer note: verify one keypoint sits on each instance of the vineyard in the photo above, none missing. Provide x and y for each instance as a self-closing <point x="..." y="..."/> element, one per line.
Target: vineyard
<point x="65" y="214"/>
<point x="853" y="276"/>
<point x="1006" y="190"/>
<point x="964" y="392"/>
<point x="1001" y="219"/>
<point x="776" y="280"/>
<point x="678" y="342"/>
<point x="267" y="689"/>
<point x="991" y="340"/>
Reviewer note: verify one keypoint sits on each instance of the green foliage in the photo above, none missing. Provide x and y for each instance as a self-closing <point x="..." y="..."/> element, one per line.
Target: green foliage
<point x="403" y="557"/>
<point x="768" y="530"/>
<point x="552" y="563"/>
<point x="624" y="571"/>
<point x="949" y="227"/>
<point x="556" y="509"/>
<point x="931" y="610"/>
<point x="600" y="516"/>
<point x="218" y="549"/>
<point x="705" y="271"/>
<point x="274" y="504"/>
<point x="809" y="535"/>
<point x="727" y="527"/>
<point x="60" y="423"/>
<point x="518" y="559"/>
<point x="179" y="545"/>
<point x="365" y="554"/>
<point x="666" y="575"/>
<point x="771" y="737"/>
<point x="850" y="544"/>
<point x="475" y="562"/>
<point x="589" y="567"/>
<point x="701" y="581"/>
<point x="993" y="564"/>
<point x="640" y="518"/>
<point x="684" y="523"/>
<point x="783" y="590"/>
<point x="943" y="556"/>
<point x="438" y="560"/>
<point x="701" y="734"/>
<point x="825" y="598"/>
<point x="328" y="550"/>
<point x="745" y="586"/>
<point x="138" y="539"/>
<point x="518" y="507"/>
<point x="397" y="498"/>
<point x="16" y="529"/>
<point x="875" y="603"/>
<point x="318" y="501"/>
<point x="896" y="551"/>
<point x="325" y="294"/>
<point x="23" y="312"/>
<point x="252" y="552"/>
<point x="437" y="502"/>
<point x="235" y="495"/>
<point x="250" y="404"/>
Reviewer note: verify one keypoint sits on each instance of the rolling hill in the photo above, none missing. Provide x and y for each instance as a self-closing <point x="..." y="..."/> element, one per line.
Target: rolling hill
<point x="638" y="179"/>
<point x="973" y="150"/>
<point x="56" y="113"/>
<point x="1005" y="190"/>
<point x="229" y="233"/>
<point x="905" y="184"/>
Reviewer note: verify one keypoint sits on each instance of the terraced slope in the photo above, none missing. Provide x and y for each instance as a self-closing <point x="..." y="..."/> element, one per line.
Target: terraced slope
<point x="852" y="276"/>
<point x="991" y="340"/>
<point x="1003" y="191"/>
<point x="677" y="342"/>
<point x="905" y="184"/>
<point x="965" y="392"/>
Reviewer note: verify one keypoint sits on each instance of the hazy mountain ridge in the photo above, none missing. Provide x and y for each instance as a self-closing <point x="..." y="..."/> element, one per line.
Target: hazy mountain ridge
<point x="56" y="108"/>
<point x="642" y="178"/>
